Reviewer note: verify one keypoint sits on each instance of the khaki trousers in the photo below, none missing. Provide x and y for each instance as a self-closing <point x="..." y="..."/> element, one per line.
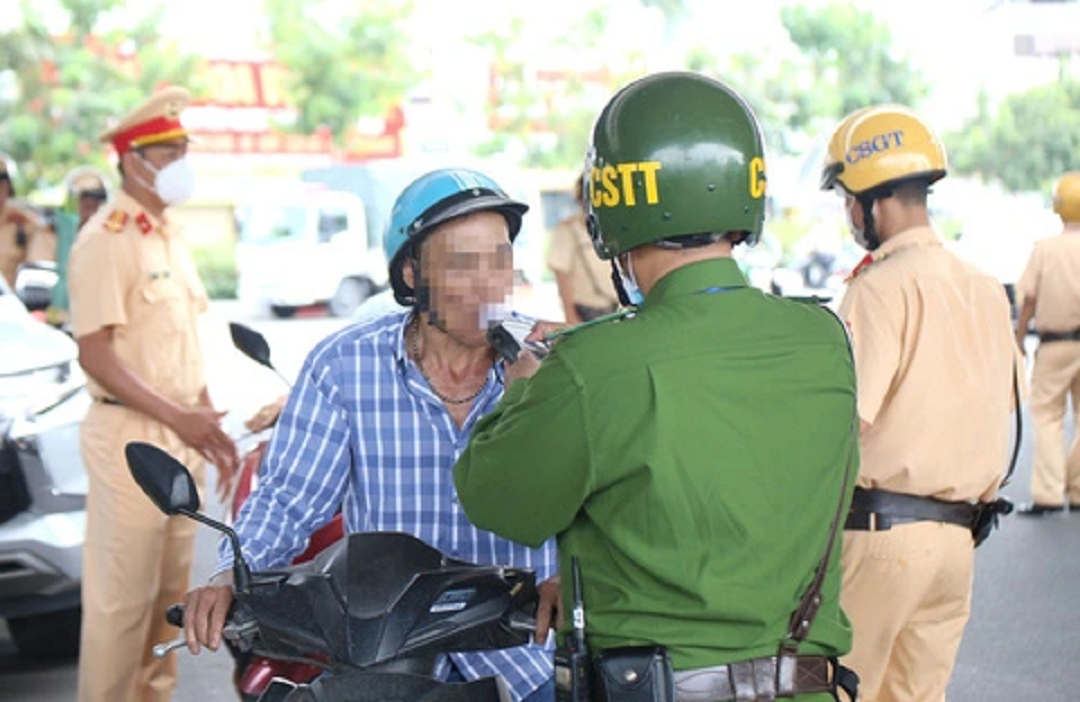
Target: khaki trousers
<point x="1055" y="377"/>
<point x="136" y="563"/>
<point x="907" y="592"/>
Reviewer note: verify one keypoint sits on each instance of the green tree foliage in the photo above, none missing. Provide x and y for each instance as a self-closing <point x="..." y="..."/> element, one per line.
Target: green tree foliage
<point x="345" y="61"/>
<point x="672" y="9"/>
<point x="852" y="62"/>
<point x="547" y="122"/>
<point x="58" y="93"/>
<point x="844" y="60"/>
<point x="773" y="90"/>
<point x="1027" y="142"/>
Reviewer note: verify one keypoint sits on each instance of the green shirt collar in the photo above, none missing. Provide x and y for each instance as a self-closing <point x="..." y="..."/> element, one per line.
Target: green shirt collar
<point x="695" y="277"/>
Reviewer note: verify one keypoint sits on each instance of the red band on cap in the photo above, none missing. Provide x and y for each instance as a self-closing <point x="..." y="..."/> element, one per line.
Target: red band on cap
<point x="157" y="129"/>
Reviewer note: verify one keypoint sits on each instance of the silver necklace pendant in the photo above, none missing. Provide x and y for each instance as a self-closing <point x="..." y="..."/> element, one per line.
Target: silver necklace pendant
<point x="420" y="366"/>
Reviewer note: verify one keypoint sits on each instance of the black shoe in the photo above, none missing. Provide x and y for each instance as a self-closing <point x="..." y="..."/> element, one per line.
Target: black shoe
<point x="1037" y="510"/>
<point x="1074" y="506"/>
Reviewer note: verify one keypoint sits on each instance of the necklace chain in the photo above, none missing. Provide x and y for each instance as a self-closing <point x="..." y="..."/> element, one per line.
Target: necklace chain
<point x="420" y="366"/>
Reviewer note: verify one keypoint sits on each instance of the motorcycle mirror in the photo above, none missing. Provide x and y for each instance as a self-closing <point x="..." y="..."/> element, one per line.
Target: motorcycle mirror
<point x="250" y="343"/>
<point x="171" y="488"/>
<point x="253" y="345"/>
<point x="164" y="479"/>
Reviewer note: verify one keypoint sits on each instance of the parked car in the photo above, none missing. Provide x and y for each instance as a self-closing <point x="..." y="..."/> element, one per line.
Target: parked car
<point x="43" y="483"/>
<point x="34" y="284"/>
<point x="307" y="247"/>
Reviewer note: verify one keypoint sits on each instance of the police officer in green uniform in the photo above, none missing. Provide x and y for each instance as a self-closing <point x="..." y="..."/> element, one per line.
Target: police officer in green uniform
<point x="693" y="458"/>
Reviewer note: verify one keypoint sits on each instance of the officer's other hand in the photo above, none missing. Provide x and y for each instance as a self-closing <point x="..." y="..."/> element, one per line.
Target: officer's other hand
<point x="1020" y="344"/>
<point x="549" y="611"/>
<point x="267" y="415"/>
<point x="205" y="610"/>
<point x="200" y="428"/>
<point x="542" y="329"/>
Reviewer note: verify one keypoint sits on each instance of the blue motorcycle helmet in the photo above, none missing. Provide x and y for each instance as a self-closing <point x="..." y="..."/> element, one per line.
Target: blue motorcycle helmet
<point x="433" y="199"/>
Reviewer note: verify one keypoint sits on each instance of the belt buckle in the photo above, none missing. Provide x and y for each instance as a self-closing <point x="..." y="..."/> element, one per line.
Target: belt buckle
<point x="879" y="522"/>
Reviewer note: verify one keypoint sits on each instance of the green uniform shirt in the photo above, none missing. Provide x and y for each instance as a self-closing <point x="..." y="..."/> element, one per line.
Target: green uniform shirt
<point x="691" y="457"/>
<point x="66" y="226"/>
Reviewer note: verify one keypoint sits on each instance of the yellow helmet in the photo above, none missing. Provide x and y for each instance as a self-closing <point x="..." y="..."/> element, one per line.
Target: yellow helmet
<point x="1067" y="197"/>
<point x="878" y="146"/>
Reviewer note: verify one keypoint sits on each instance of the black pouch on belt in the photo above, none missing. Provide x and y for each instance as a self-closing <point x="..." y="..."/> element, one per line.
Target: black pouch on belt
<point x="635" y="674"/>
<point x="986" y="518"/>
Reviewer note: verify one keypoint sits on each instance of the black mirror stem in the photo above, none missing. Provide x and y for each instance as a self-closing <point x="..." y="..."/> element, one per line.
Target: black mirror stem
<point x="241" y="573"/>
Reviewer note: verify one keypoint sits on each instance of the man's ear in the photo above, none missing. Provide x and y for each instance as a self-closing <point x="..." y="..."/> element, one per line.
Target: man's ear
<point x="409" y="272"/>
<point x="124" y="164"/>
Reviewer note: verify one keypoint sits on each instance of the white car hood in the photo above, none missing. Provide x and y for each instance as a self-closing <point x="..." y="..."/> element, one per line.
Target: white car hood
<point x="29" y="344"/>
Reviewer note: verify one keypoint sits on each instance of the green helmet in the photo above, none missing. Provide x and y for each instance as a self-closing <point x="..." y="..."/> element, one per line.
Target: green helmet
<point x="673" y="155"/>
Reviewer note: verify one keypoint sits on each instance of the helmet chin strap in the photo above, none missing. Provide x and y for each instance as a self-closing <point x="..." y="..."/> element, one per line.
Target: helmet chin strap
<point x="617" y="281"/>
<point x="870" y="233"/>
<point x="422" y="295"/>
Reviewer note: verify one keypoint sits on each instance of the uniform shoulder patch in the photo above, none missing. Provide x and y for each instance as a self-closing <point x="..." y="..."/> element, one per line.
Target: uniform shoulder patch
<point x="116" y="221"/>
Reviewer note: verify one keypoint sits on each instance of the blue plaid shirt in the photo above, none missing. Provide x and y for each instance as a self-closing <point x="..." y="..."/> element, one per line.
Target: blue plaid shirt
<point x="362" y="429"/>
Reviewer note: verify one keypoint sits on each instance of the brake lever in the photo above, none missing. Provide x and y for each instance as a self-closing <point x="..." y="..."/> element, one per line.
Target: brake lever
<point x="519" y="621"/>
<point x="163" y="649"/>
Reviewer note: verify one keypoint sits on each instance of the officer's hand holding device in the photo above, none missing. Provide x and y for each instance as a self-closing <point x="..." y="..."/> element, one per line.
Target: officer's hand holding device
<point x="508" y="337"/>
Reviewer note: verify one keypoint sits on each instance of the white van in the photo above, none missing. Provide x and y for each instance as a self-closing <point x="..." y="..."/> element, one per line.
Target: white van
<point x="307" y="246"/>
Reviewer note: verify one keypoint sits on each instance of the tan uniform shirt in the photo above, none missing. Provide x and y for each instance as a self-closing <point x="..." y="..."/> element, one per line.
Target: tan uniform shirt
<point x="133" y="272"/>
<point x="31" y="245"/>
<point x="1052" y="279"/>
<point x="934" y="358"/>
<point x="572" y="253"/>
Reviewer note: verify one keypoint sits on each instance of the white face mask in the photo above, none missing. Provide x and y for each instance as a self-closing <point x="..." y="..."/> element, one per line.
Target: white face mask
<point x="493" y="313"/>
<point x="857" y="231"/>
<point x="175" y="183"/>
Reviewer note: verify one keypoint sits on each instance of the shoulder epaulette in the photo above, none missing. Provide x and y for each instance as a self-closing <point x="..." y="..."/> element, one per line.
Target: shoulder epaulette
<point x="865" y="263"/>
<point x="116" y="221"/>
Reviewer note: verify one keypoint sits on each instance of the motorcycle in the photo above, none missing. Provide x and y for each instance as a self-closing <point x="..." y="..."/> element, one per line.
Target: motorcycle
<point x="254" y="673"/>
<point x="373" y="611"/>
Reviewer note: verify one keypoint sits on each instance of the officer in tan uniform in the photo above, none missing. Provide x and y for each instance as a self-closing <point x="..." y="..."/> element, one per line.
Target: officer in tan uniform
<point x="582" y="277"/>
<point x="934" y="361"/>
<point x="1050" y="290"/>
<point x="135" y="298"/>
<point x="23" y="235"/>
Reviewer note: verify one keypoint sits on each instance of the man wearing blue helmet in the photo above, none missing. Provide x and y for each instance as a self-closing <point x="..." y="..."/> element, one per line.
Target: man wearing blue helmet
<point x="382" y="409"/>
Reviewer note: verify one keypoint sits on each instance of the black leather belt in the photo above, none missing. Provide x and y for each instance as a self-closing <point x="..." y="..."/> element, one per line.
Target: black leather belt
<point x="752" y="680"/>
<point x="880" y="510"/>
<point x="109" y="401"/>
<point x="1073" y="335"/>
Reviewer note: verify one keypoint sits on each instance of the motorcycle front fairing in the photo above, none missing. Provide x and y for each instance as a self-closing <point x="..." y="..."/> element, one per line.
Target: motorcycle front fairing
<point x="385" y="600"/>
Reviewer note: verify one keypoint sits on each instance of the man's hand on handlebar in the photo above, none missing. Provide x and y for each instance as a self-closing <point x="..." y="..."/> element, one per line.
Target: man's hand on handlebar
<point x="267" y="415"/>
<point x="549" y="609"/>
<point x="205" y="611"/>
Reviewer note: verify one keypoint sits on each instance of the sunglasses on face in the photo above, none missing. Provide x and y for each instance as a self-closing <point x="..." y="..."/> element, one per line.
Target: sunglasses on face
<point x="97" y="195"/>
